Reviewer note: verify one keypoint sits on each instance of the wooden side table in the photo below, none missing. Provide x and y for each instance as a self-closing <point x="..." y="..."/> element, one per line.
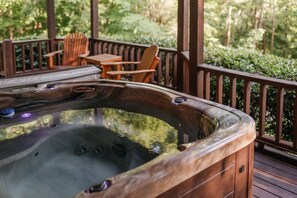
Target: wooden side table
<point x="98" y="59"/>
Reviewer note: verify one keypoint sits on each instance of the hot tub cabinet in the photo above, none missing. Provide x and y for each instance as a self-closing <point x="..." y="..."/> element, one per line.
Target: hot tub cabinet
<point x="230" y="177"/>
<point x="214" y="150"/>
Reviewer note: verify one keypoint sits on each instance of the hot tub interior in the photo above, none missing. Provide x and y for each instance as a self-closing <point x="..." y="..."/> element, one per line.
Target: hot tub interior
<point x="66" y="137"/>
<point x="70" y="159"/>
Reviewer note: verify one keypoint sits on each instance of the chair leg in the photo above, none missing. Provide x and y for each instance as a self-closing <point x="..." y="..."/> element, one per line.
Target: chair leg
<point x="51" y="63"/>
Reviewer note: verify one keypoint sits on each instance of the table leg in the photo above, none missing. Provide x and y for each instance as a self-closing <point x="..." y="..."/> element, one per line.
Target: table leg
<point x="118" y="69"/>
<point x="105" y="69"/>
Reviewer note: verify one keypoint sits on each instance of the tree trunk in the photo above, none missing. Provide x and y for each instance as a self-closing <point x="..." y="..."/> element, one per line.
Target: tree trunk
<point x="260" y="25"/>
<point x="10" y="29"/>
<point x="228" y="24"/>
<point x="236" y="19"/>
<point x="256" y="18"/>
<point x="273" y="27"/>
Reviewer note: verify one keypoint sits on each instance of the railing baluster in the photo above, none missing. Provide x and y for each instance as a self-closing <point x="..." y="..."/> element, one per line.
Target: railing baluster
<point x="233" y="93"/>
<point x="121" y="49"/>
<point x="262" y="119"/>
<point x="39" y="55"/>
<point x="207" y="85"/>
<point x="95" y="48"/>
<point x="247" y="97"/>
<point x="31" y="57"/>
<point x="14" y="58"/>
<point x="126" y="54"/>
<point x="200" y="83"/>
<point x="1" y="59"/>
<point x="59" y="56"/>
<point x="115" y="50"/>
<point x="110" y="48"/>
<point x="219" y="91"/>
<point x="159" y="69"/>
<point x="174" y="83"/>
<point x="132" y="58"/>
<point x="138" y="54"/>
<point x="99" y="48"/>
<point x="104" y="49"/>
<point x="23" y="58"/>
<point x="295" y="122"/>
<point x="279" y="114"/>
<point x="167" y="57"/>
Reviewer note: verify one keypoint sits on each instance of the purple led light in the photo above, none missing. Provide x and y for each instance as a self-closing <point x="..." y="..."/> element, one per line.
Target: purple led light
<point x="26" y="115"/>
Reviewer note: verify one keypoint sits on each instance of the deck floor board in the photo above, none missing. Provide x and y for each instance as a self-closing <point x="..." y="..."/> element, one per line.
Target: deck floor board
<point x="274" y="178"/>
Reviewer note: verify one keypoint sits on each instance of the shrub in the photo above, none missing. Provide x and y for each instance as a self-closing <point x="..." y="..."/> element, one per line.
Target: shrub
<point x="253" y="62"/>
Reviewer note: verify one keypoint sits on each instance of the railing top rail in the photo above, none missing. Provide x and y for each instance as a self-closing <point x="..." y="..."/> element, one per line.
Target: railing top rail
<point x="29" y="41"/>
<point x="134" y="45"/>
<point x="59" y="39"/>
<point x="251" y="77"/>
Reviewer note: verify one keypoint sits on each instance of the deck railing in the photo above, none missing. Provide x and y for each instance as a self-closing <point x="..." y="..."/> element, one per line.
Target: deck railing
<point x="247" y="92"/>
<point x="166" y="71"/>
<point x="229" y="87"/>
<point x="23" y="57"/>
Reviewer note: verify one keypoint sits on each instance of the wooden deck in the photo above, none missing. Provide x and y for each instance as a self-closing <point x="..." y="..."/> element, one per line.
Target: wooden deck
<point x="274" y="178"/>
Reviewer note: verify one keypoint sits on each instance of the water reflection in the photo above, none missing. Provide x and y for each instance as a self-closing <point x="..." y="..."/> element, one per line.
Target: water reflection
<point x="82" y="116"/>
<point x="148" y="131"/>
<point x="152" y="133"/>
<point x="25" y="128"/>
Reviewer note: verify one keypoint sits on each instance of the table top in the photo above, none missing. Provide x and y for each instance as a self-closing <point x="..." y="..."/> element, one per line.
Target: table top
<point x="97" y="59"/>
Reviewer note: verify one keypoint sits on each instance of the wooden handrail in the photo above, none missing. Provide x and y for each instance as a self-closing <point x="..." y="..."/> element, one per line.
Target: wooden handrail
<point x="29" y="41"/>
<point x="172" y="50"/>
<point x="248" y="76"/>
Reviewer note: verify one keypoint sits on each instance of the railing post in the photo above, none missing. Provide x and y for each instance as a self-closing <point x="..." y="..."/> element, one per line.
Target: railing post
<point x="8" y="63"/>
<point x="94" y="24"/>
<point x="196" y="47"/>
<point x="182" y="41"/>
<point x="51" y="24"/>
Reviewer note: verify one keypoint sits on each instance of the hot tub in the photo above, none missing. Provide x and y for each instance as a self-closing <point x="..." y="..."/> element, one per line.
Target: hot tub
<point x="122" y="139"/>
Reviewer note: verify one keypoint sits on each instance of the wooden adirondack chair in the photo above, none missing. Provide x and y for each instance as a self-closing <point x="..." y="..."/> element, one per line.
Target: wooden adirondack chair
<point x="145" y="68"/>
<point x="75" y="49"/>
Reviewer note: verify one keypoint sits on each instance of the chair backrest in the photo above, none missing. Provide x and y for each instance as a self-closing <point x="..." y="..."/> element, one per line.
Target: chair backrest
<point x="149" y="60"/>
<point x="75" y="44"/>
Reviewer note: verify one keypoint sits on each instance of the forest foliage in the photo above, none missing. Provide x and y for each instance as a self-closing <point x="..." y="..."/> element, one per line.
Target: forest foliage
<point x="268" y="26"/>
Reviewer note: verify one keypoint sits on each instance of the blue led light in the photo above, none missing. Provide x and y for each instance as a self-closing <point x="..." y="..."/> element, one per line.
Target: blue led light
<point x="7" y="113"/>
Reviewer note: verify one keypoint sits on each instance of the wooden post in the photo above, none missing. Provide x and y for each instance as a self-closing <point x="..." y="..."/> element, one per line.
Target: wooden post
<point x="182" y="41"/>
<point x="196" y="47"/>
<point x="8" y="63"/>
<point x="51" y="24"/>
<point x="94" y="24"/>
<point x="295" y="123"/>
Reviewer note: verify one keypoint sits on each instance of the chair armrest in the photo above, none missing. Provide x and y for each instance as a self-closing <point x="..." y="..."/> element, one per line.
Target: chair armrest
<point x="84" y="55"/>
<point x="113" y="73"/>
<point x="52" y="53"/>
<point x="119" y="63"/>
